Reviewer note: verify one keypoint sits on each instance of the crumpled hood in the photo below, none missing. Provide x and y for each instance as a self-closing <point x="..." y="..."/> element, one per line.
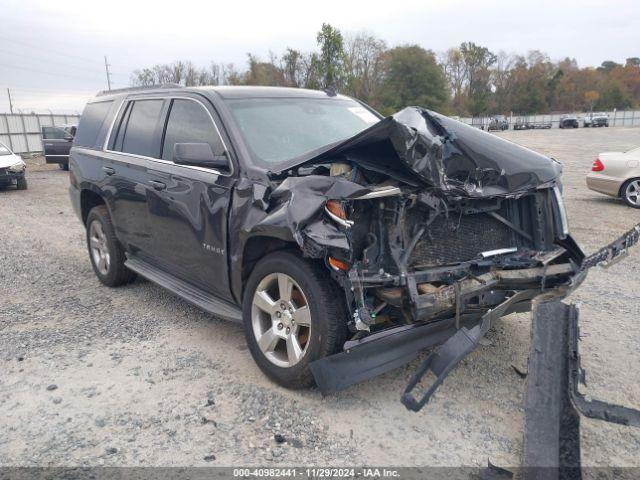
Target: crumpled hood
<point x="418" y="146"/>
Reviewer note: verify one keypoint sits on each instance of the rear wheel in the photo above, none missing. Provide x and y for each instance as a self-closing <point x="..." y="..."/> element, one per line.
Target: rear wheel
<point x="21" y="183"/>
<point x="631" y="192"/>
<point x="105" y="251"/>
<point x="63" y="166"/>
<point x="293" y="315"/>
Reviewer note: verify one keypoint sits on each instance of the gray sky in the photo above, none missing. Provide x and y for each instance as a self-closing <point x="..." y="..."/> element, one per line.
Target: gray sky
<point x="51" y="53"/>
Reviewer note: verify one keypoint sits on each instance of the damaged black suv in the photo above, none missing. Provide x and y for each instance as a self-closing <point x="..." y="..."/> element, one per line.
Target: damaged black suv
<point x="345" y="242"/>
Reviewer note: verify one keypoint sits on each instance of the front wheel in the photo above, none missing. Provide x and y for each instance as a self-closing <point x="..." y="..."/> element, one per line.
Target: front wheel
<point x="21" y="183"/>
<point x="293" y="314"/>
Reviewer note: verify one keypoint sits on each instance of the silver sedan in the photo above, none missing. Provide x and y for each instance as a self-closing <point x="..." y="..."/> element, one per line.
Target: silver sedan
<point x="617" y="174"/>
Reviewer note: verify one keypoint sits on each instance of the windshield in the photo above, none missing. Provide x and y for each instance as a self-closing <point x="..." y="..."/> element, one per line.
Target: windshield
<point x="4" y="150"/>
<point x="281" y="129"/>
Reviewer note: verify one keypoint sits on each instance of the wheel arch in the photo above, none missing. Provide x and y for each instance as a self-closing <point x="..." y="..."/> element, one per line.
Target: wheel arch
<point x="255" y="248"/>
<point x="88" y="200"/>
<point x="624" y="185"/>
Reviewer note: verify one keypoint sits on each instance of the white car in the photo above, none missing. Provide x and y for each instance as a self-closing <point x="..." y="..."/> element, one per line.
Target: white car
<point x="12" y="169"/>
<point x="617" y="174"/>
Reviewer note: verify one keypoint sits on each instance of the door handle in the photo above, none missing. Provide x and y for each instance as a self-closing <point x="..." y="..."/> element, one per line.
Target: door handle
<point x="157" y="185"/>
<point x="109" y="171"/>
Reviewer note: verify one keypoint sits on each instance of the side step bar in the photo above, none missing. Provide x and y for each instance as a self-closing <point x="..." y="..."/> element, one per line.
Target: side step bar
<point x="186" y="291"/>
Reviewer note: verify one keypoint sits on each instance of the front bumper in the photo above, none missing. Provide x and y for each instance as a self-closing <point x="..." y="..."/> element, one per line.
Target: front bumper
<point x="7" y="177"/>
<point x="451" y="320"/>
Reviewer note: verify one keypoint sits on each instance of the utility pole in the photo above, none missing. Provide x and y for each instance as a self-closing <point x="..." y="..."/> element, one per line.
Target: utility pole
<point x="10" y="103"/>
<point x="106" y="68"/>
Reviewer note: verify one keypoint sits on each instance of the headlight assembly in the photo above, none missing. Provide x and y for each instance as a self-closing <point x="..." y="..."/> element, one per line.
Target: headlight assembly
<point x="17" y="167"/>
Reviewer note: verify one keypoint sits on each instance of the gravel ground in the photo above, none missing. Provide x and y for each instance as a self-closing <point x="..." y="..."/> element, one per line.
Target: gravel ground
<point x="135" y="376"/>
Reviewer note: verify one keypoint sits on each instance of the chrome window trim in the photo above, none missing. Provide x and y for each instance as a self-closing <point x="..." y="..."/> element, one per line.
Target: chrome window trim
<point x="160" y="160"/>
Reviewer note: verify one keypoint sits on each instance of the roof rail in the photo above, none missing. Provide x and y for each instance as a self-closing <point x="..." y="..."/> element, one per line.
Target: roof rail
<point x="137" y="89"/>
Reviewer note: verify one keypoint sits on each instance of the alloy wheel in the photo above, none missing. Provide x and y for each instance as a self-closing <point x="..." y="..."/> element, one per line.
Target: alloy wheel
<point x="281" y="319"/>
<point x="99" y="248"/>
<point x="632" y="192"/>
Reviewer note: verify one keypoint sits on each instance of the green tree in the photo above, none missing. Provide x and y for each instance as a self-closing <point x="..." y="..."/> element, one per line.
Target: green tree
<point x="607" y="66"/>
<point x="412" y="77"/>
<point x="330" y="62"/>
<point x="477" y="61"/>
<point x="263" y="73"/>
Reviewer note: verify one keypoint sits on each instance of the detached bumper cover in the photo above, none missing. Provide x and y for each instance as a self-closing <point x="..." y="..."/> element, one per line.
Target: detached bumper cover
<point x="461" y="334"/>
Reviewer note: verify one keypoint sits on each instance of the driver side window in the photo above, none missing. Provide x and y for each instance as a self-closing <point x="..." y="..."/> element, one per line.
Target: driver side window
<point x="189" y="122"/>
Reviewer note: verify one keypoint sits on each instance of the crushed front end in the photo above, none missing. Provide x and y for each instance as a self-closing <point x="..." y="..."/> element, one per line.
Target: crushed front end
<point x="434" y="230"/>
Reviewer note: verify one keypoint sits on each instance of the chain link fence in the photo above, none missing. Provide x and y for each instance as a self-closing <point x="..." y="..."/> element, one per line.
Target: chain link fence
<point x="22" y="132"/>
<point x="617" y="118"/>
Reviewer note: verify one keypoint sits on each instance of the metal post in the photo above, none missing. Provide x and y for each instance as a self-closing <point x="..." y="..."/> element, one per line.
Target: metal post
<point x="40" y="132"/>
<point x="24" y="132"/>
<point x="10" y="102"/>
<point x="106" y="68"/>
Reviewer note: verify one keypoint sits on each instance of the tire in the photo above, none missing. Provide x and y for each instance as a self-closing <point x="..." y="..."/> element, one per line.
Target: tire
<point x="103" y="244"/>
<point x="21" y="183"/>
<point x="63" y="166"/>
<point x="630" y="192"/>
<point x="327" y="318"/>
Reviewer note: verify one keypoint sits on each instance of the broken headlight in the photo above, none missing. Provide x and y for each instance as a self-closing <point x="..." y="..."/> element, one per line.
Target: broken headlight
<point x="337" y="211"/>
<point x="17" y="167"/>
<point x="562" y="212"/>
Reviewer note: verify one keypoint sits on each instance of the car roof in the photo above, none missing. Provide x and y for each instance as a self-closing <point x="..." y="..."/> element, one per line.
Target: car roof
<point x="228" y="92"/>
<point x="225" y="92"/>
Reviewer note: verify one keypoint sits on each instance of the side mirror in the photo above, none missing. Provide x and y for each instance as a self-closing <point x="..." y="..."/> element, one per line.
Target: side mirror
<point x="199" y="155"/>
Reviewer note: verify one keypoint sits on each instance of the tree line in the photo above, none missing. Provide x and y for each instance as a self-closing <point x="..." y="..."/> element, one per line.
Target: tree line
<point x="465" y="80"/>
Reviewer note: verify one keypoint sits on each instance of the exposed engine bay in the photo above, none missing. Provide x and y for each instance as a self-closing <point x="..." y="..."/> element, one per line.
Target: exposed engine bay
<point x="418" y="257"/>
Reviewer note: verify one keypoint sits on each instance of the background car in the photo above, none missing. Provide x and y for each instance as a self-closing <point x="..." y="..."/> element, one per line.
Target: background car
<point x="57" y="142"/>
<point x="568" y="121"/>
<point x="617" y="174"/>
<point x="598" y="119"/>
<point x="12" y="169"/>
<point x="521" y="123"/>
<point x="498" y="122"/>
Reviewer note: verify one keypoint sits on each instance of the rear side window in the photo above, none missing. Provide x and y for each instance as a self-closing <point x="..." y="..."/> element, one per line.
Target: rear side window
<point x="138" y="133"/>
<point x="189" y="122"/>
<point x="91" y="122"/>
